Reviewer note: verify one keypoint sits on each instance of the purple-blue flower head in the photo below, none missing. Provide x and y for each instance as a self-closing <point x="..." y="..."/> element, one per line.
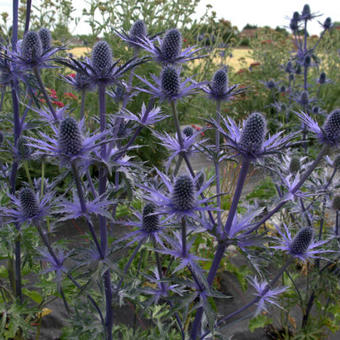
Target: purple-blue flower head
<point x="169" y="85"/>
<point x="138" y="30"/>
<point x="169" y="49"/>
<point x="27" y="206"/>
<point x="183" y="193"/>
<point x="302" y="246"/>
<point x="31" y="47"/>
<point x="250" y="141"/>
<point x="150" y="218"/>
<point x="101" y="59"/>
<point x="330" y="132"/>
<point x="218" y="89"/>
<point x="45" y="38"/>
<point x="70" y="140"/>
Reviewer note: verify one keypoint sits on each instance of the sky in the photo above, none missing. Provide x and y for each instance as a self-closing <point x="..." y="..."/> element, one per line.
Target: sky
<point x="240" y="12"/>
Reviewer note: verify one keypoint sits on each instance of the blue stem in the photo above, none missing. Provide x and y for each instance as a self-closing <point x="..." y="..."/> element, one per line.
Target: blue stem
<point x="28" y="15"/>
<point x="15" y="24"/>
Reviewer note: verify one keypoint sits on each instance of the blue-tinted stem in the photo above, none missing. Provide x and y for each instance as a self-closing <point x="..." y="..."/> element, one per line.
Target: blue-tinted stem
<point x="257" y="298"/>
<point x="237" y="195"/>
<point x="28" y="15"/>
<point x="43" y="90"/>
<point x="184" y="238"/>
<point x="3" y="90"/>
<point x="303" y="178"/>
<point x="15" y="24"/>
<point x="84" y="208"/>
<point x="222" y="245"/>
<point x="102" y="219"/>
<point x="127" y="266"/>
<point x="217" y="168"/>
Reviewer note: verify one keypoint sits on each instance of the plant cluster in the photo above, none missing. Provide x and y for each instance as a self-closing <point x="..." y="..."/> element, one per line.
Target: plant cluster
<point x="175" y="215"/>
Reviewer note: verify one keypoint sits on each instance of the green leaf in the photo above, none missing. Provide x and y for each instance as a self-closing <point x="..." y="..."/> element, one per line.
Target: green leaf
<point x="34" y="295"/>
<point x="259" y="322"/>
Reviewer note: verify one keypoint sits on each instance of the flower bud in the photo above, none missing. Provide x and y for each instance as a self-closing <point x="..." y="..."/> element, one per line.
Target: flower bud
<point x="150" y="221"/>
<point x="28" y="203"/>
<point x="331" y="128"/>
<point x="316" y="109"/>
<point x="188" y="131"/>
<point x="24" y="151"/>
<point x="253" y="133"/>
<point x="171" y="45"/>
<point x="271" y="84"/>
<point x="306" y="13"/>
<point x="304" y="98"/>
<point x="289" y="67"/>
<point x="307" y="61"/>
<point x="294" y="165"/>
<point x="327" y="24"/>
<point x="183" y="195"/>
<point x="170" y="81"/>
<point x="70" y="141"/>
<point x="322" y="78"/>
<point x="301" y="241"/>
<point x="138" y="30"/>
<point x="45" y="37"/>
<point x="31" y="47"/>
<point x="101" y="56"/>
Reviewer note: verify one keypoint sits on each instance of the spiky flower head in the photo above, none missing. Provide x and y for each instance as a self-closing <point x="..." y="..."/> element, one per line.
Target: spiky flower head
<point x="296" y="16"/>
<point x="31" y="47"/>
<point x="28" y="203"/>
<point x="253" y="133"/>
<point x="170" y="82"/>
<point x="316" y="109"/>
<point x="289" y="67"/>
<point x="304" y="98"/>
<point x="138" y="30"/>
<point x="70" y="140"/>
<point x="82" y="82"/>
<point x="45" y="37"/>
<point x="283" y="89"/>
<point x="301" y="241"/>
<point x="327" y="24"/>
<point x="183" y="194"/>
<point x="322" y="78"/>
<point x="271" y="84"/>
<point x="171" y="45"/>
<point x="294" y="165"/>
<point x="306" y="13"/>
<point x="331" y="128"/>
<point x="24" y="151"/>
<point x="220" y="82"/>
<point x="101" y="56"/>
<point x="188" y="131"/>
<point x="150" y="221"/>
<point x="307" y="61"/>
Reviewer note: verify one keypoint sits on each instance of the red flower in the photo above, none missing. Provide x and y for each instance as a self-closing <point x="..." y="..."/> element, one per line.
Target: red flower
<point x="70" y="95"/>
<point x="73" y="75"/>
<point x="59" y="104"/>
<point x="42" y="100"/>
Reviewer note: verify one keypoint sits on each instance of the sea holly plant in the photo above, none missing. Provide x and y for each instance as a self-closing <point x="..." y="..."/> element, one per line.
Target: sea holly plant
<point x="169" y="212"/>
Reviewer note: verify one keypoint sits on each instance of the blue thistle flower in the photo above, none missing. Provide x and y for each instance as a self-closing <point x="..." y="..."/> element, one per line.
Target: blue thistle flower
<point x="302" y="246"/>
<point x="322" y="78"/>
<point x="331" y="127"/>
<point x="70" y="140"/>
<point x="31" y="47"/>
<point x="307" y="61"/>
<point x="219" y="89"/>
<point x="327" y="24"/>
<point x="253" y="133"/>
<point x="183" y="193"/>
<point x="81" y="82"/>
<point x="301" y="241"/>
<point x="138" y="30"/>
<point x="45" y="38"/>
<point x="28" y="202"/>
<point x="171" y="46"/>
<point x="101" y="57"/>
<point x="188" y="131"/>
<point x="150" y="221"/>
<point x="289" y="67"/>
<point x="169" y="86"/>
<point x="304" y="98"/>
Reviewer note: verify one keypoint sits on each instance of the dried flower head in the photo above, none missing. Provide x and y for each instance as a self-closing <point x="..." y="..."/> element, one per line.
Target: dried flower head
<point x="138" y="30"/>
<point x="253" y="133"/>
<point x="45" y="37"/>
